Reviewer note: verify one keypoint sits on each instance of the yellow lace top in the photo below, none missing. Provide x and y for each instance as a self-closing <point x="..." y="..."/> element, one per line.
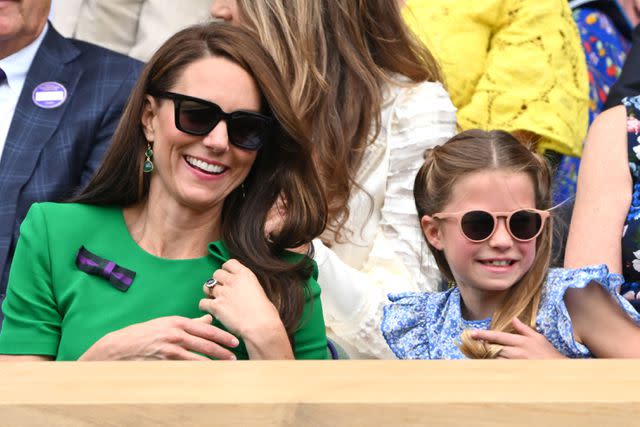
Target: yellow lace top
<point x="510" y="64"/>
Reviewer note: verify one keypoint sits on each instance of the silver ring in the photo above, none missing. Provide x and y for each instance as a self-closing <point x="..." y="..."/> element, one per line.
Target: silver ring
<point x="210" y="283"/>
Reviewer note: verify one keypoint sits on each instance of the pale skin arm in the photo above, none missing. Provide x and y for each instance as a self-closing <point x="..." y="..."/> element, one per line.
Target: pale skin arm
<point x="21" y="358"/>
<point x="603" y="197"/>
<point x="240" y="303"/>
<point x="600" y="323"/>
<point x="165" y="338"/>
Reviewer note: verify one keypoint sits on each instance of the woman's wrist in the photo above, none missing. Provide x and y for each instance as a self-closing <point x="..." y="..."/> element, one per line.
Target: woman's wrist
<point x="92" y="353"/>
<point x="268" y="341"/>
<point x="100" y="350"/>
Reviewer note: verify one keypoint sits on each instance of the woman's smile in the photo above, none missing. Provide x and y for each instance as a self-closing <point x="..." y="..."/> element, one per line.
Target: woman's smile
<point x="209" y="167"/>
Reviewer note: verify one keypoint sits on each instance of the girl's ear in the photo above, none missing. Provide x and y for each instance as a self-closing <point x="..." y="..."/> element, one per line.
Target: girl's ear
<point x="148" y="116"/>
<point x="431" y="231"/>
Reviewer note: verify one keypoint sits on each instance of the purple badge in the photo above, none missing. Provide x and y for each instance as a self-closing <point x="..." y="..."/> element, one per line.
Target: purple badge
<point x="49" y="95"/>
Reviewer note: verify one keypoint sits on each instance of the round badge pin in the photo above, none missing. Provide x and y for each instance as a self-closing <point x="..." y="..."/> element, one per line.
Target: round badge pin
<point x="49" y="95"/>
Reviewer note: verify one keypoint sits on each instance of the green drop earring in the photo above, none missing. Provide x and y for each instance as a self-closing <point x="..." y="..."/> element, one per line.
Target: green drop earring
<point x="148" y="164"/>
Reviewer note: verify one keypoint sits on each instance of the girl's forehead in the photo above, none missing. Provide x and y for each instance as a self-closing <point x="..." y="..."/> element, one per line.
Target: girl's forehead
<point x="502" y="190"/>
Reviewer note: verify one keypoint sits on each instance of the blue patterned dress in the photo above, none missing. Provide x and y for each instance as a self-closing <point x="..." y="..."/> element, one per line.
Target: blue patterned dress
<point x="605" y="49"/>
<point x="631" y="231"/>
<point x="429" y="325"/>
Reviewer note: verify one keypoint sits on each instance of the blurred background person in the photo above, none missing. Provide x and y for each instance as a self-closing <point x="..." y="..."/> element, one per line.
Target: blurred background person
<point x="515" y="65"/>
<point x="369" y="94"/>
<point x="628" y="84"/>
<point x="605" y="30"/>
<point x="132" y="27"/>
<point x="605" y="227"/>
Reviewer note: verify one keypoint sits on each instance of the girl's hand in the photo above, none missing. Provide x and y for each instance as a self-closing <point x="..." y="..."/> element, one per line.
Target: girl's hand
<point x="240" y="303"/>
<point x="526" y="343"/>
<point x="165" y="338"/>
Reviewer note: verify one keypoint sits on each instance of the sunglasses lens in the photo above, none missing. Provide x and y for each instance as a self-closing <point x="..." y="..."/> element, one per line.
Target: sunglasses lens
<point x="248" y="131"/>
<point x="197" y="118"/>
<point x="477" y="225"/>
<point x="525" y="225"/>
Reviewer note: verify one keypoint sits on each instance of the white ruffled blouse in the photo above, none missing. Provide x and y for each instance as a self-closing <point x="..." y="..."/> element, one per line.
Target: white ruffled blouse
<point x="385" y="251"/>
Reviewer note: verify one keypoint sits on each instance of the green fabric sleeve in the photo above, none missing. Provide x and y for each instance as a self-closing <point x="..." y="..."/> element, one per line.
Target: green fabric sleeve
<point x="32" y="322"/>
<point x="310" y="341"/>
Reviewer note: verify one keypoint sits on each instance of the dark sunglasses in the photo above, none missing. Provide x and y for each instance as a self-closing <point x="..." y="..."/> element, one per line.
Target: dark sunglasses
<point x="523" y="224"/>
<point x="197" y="116"/>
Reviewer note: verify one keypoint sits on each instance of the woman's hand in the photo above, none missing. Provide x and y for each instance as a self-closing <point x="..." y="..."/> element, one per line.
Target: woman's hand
<point x="526" y="343"/>
<point x="240" y="303"/>
<point x="276" y="217"/>
<point x="165" y="338"/>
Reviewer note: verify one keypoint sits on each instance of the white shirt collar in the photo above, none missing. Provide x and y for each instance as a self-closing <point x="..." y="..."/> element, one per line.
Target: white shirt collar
<point x="16" y="66"/>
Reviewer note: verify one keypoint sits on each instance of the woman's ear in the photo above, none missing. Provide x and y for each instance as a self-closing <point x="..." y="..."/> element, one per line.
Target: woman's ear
<point x="148" y="116"/>
<point x="431" y="231"/>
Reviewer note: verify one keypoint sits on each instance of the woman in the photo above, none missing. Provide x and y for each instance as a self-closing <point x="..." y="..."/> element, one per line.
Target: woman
<point x="515" y="65"/>
<point x="605" y="32"/>
<point x="205" y="146"/>
<point x="608" y="199"/>
<point x="369" y="94"/>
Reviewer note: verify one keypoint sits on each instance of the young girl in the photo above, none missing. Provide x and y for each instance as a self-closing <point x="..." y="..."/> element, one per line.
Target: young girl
<point x="483" y="199"/>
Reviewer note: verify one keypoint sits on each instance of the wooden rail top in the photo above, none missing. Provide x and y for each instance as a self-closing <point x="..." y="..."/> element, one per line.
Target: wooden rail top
<point x="322" y="393"/>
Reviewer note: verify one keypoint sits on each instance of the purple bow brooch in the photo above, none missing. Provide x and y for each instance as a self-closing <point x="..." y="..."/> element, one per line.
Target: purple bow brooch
<point x="90" y="263"/>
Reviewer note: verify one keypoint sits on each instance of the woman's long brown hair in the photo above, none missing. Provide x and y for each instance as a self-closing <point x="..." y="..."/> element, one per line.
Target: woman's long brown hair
<point x="283" y="165"/>
<point x="336" y="56"/>
<point x="474" y="151"/>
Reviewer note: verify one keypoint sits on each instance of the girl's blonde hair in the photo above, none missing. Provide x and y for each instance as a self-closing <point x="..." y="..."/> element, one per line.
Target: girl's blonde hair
<point x="474" y="151"/>
<point x="336" y="56"/>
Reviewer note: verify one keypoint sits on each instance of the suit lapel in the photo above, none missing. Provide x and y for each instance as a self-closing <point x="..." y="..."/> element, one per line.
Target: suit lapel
<point x="32" y="126"/>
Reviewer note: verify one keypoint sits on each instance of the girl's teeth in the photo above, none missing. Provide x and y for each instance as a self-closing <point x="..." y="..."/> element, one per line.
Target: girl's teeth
<point x="499" y="263"/>
<point x="204" y="165"/>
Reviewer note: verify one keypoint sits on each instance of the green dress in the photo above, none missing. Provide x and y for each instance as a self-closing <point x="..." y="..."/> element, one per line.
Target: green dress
<point x="55" y="309"/>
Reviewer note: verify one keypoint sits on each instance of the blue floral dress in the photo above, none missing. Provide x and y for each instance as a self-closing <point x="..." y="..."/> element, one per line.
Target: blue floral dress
<point x="605" y="49"/>
<point x="631" y="231"/>
<point x="429" y="325"/>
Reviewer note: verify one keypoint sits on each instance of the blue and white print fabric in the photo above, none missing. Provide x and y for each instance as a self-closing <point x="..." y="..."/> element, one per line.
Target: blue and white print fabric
<point x="428" y="325"/>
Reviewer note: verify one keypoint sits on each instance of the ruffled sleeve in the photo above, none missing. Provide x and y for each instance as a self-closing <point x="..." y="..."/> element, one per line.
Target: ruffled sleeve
<point x="405" y="324"/>
<point x="553" y="319"/>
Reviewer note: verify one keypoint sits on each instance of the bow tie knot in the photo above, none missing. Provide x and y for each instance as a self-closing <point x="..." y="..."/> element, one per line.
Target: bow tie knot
<point x="120" y="277"/>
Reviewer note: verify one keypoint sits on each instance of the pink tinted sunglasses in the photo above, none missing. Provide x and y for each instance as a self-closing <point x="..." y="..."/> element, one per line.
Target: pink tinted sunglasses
<point x="477" y="225"/>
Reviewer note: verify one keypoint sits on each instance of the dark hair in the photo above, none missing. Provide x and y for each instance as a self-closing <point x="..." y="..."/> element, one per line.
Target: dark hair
<point x="282" y="168"/>
<point x="474" y="151"/>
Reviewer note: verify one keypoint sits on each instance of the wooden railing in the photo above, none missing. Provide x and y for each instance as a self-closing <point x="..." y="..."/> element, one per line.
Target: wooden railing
<point x="581" y="393"/>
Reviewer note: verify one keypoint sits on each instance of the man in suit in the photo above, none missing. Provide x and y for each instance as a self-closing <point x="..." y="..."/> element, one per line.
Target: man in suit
<point x="60" y="102"/>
